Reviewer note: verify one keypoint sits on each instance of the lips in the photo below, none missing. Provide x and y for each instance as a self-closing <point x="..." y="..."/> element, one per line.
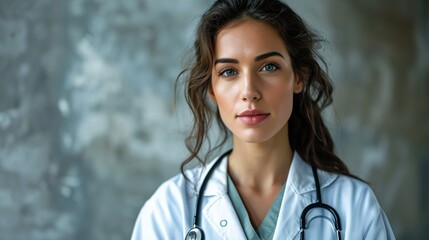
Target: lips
<point x="252" y="117"/>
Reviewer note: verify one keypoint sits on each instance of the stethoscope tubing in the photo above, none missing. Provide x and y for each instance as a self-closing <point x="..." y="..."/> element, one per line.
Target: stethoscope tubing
<point x="196" y="233"/>
<point x="203" y="187"/>
<point x="319" y="204"/>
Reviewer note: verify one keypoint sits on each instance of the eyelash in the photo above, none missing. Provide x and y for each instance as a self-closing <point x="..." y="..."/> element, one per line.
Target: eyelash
<point x="223" y="72"/>
<point x="277" y="67"/>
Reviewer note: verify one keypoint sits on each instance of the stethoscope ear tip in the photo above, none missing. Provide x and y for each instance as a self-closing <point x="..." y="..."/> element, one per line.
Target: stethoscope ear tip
<point x="195" y="233"/>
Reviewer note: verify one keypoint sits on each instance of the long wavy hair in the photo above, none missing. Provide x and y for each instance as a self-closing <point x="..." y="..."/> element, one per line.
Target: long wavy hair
<point x="308" y="134"/>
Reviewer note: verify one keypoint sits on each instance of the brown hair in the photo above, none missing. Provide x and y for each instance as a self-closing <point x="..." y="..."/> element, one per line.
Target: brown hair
<point x="308" y="134"/>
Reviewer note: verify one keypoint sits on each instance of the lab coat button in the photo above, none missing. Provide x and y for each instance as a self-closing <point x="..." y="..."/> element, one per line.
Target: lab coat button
<point x="223" y="223"/>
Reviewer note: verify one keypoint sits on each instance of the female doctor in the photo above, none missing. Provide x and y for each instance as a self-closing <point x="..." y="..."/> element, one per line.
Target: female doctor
<point x="255" y="72"/>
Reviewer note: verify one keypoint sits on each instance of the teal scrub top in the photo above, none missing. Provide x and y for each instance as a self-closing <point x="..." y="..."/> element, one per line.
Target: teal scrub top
<point x="265" y="231"/>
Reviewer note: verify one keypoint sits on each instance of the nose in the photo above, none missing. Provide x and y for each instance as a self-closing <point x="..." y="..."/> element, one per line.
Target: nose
<point x="250" y="90"/>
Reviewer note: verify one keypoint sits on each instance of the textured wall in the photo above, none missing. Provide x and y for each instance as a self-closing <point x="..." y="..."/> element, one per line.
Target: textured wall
<point x="88" y="129"/>
<point x="382" y="74"/>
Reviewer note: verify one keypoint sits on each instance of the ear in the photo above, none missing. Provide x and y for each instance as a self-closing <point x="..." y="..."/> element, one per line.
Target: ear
<point x="211" y="95"/>
<point x="301" y="77"/>
<point x="298" y="83"/>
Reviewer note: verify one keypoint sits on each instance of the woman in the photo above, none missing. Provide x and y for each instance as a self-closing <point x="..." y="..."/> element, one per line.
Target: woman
<point x="255" y="62"/>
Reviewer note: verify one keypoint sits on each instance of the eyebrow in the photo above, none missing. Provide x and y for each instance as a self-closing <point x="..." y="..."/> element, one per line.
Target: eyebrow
<point x="225" y="60"/>
<point x="267" y="55"/>
<point x="257" y="58"/>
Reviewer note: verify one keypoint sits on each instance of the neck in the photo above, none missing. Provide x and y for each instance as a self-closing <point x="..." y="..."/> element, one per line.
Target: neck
<point x="260" y="165"/>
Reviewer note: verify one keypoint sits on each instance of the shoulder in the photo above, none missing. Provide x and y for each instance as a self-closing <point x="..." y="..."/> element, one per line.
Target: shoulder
<point x="171" y="203"/>
<point x="355" y="189"/>
<point x="356" y="193"/>
<point x="357" y="203"/>
<point x="179" y="188"/>
<point x="178" y="185"/>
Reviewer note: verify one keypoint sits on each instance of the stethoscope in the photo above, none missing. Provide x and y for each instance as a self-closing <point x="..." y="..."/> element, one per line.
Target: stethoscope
<point x="196" y="233"/>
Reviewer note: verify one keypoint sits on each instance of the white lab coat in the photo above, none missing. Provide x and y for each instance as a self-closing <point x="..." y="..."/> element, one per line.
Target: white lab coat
<point x="169" y="212"/>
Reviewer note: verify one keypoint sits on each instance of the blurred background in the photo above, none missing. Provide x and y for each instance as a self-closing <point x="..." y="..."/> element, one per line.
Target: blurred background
<point x="88" y="129"/>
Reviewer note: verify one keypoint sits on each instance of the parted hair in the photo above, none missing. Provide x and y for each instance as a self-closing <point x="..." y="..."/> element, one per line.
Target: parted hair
<point x="308" y="134"/>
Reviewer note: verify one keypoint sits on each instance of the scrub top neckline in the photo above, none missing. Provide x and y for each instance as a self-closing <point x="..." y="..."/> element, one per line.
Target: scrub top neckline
<point x="268" y="224"/>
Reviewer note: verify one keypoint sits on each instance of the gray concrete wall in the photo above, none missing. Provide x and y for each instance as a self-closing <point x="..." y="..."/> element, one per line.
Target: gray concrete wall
<point x="88" y="129"/>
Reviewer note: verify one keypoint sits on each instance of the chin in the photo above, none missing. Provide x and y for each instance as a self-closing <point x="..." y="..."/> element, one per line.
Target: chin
<point x="253" y="138"/>
<point x="258" y="136"/>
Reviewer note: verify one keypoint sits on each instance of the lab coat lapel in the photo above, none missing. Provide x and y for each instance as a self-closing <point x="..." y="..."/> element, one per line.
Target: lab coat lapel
<point x="218" y="210"/>
<point x="299" y="193"/>
<point x="222" y="220"/>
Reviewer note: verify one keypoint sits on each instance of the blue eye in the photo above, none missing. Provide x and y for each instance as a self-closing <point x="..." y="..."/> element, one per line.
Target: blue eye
<point x="270" y="67"/>
<point x="228" y="72"/>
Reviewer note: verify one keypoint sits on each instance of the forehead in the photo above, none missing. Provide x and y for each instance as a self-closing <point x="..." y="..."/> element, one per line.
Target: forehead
<point x="248" y="36"/>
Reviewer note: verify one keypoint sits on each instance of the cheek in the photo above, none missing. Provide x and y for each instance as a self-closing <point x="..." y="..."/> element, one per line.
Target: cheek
<point x="224" y="93"/>
<point x="223" y="101"/>
<point x="283" y="100"/>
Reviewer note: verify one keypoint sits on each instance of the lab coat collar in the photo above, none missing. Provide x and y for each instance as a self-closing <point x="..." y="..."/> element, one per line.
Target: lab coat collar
<point x="300" y="177"/>
<point x="300" y="183"/>
<point x="217" y="183"/>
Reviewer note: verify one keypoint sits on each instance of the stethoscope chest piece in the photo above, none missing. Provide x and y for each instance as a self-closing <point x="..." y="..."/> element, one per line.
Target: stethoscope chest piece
<point x="195" y="234"/>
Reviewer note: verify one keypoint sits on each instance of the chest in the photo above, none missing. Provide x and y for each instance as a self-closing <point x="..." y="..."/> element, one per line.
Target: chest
<point x="220" y="219"/>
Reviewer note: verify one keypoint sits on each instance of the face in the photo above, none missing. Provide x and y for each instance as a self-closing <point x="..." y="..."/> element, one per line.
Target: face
<point x="253" y="81"/>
